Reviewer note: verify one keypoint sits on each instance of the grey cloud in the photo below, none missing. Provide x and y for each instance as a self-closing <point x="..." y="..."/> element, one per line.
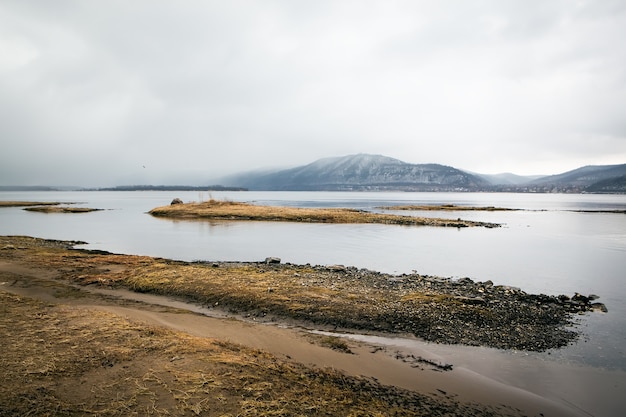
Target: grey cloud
<point x="214" y="87"/>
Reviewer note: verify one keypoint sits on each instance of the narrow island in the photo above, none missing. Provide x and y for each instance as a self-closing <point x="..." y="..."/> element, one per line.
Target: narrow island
<point x="79" y="343"/>
<point x="47" y="207"/>
<point x="446" y="207"/>
<point x="58" y="209"/>
<point x="230" y="210"/>
<point x="28" y="203"/>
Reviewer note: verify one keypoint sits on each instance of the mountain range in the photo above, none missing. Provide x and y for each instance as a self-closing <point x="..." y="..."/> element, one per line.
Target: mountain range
<point x="365" y="172"/>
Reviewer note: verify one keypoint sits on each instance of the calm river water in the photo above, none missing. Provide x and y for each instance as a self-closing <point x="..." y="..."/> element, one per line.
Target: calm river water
<point x="548" y="247"/>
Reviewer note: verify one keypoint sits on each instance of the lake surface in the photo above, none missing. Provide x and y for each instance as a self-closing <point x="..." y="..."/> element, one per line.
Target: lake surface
<point x="547" y="247"/>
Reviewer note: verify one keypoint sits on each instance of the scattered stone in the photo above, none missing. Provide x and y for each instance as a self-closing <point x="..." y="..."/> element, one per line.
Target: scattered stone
<point x="599" y="306"/>
<point x="272" y="260"/>
<point x="471" y="300"/>
<point x="336" y="268"/>
<point x="176" y="201"/>
<point x="579" y="298"/>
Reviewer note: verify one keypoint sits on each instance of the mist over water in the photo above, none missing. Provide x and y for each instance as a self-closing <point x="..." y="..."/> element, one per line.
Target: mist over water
<point x="547" y="247"/>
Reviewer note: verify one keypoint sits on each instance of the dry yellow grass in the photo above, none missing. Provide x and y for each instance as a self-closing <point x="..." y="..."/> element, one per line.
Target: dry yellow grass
<point x="228" y="210"/>
<point x="59" y="360"/>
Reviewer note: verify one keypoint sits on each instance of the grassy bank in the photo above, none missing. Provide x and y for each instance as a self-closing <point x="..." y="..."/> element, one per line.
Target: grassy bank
<point x="71" y="359"/>
<point x="432" y="308"/>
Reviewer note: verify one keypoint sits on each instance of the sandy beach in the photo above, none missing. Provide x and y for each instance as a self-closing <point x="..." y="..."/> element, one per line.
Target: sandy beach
<point x="468" y="388"/>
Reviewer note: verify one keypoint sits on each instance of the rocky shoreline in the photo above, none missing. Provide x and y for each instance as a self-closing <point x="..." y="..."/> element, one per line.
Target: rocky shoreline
<point x="331" y="297"/>
<point x="435" y="309"/>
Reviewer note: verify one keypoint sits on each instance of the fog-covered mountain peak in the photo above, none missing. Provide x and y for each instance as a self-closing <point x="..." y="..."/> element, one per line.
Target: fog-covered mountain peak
<point x="364" y="172"/>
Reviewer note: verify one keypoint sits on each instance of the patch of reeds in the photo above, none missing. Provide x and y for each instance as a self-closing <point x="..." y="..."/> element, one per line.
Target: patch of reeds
<point x="332" y="342"/>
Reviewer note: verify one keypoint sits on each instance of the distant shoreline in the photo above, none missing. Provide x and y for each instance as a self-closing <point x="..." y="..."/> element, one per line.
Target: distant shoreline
<point x="171" y="188"/>
<point x="123" y="188"/>
<point x="495" y="190"/>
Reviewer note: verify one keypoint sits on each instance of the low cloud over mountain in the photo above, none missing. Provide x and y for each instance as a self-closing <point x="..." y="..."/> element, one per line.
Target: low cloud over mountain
<point x="364" y="172"/>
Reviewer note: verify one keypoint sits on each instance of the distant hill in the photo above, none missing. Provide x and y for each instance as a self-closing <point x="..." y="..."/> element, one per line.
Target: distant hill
<point x="362" y="172"/>
<point x="591" y="178"/>
<point x="611" y="185"/>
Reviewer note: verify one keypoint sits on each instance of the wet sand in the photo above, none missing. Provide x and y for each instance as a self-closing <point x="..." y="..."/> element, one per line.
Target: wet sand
<point x="482" y="375"/>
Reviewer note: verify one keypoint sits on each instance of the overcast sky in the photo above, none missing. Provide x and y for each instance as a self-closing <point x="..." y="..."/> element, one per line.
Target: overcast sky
<point x="166" y="92"/>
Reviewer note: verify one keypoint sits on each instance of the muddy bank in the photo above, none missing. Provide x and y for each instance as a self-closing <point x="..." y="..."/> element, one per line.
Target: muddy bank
<point x="67" y="351"/>
<point x="330" y="297"/>
<point x="87" y="350"/>
<point x="94" y="362"/>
